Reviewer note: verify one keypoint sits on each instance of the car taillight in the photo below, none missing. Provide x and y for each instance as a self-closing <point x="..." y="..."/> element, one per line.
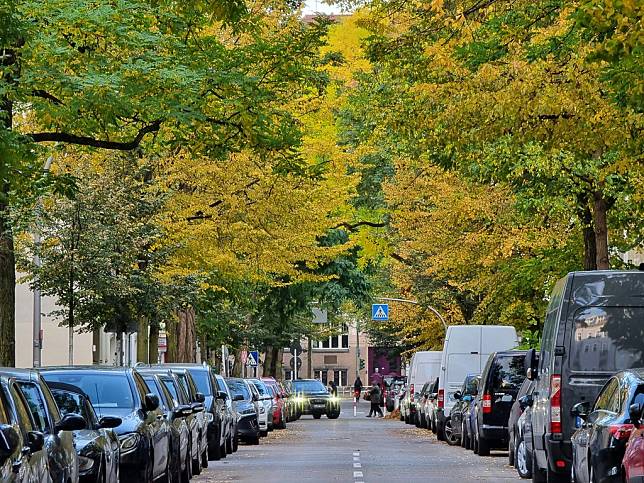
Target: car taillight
<point x="441" y="398"/>
<point x="487" y="403"/>
<point x="621" y="432"/>
<point x="555" y="403"/>
<point x="411" y="391"/>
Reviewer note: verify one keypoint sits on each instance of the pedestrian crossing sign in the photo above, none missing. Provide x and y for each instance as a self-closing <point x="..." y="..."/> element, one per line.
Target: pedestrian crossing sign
<point x="380" y="312"/>
<point x="253" y="358"/>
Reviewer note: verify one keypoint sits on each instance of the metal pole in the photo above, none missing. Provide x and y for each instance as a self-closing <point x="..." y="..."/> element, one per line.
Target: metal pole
<point x="294" y="373"/>
<point x="71" y="345"/>
<point x="357" y="348"/>
<point x="414" y="302"/>
<point x="37" y="318"/>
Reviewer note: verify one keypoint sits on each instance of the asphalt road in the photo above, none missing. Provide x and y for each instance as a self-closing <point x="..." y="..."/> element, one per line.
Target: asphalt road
<point x="356" y="449"/>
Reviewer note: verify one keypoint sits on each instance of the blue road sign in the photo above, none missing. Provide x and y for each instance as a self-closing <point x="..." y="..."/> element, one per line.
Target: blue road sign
<point x="253" y="359"/>
<point x="380" y="312"/>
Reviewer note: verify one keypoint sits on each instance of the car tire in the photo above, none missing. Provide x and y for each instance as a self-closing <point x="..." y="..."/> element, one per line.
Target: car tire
<point x="511" y="451"/>
<point x="440" y="433"/>
<point x="214" y="451"/>
<point x="450" y="437"/>
<point x="522" y="463"/>
<point x="538" y="475"/>
<point x="196" y="463"/>
<point x="186" y="474"/>
<point x="204" y="457"/>
<point x="333" y="415"/>
<point x="235" y="444"/>
<point x="317" y="416"/>
<point x="402" y="418"/>
<point x="483" y="446"/>
<point x="463" y="436"/>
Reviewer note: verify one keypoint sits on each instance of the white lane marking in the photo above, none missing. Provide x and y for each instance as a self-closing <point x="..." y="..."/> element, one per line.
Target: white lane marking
<point x="358" y="474"/>
<point x="356" y="458"/>
<point x="357" y="465"/>
<point x="356" y="453"/>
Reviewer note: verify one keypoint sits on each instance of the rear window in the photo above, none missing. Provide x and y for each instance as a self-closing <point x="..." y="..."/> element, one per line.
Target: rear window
<point x="238" y="387"/>
<point x="105" y="390"/>
<point x="607" y="339"/>
<point x="507" y="373"/>
<point x="201" y="381"/>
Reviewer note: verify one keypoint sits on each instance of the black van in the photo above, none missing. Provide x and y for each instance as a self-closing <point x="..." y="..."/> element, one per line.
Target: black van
<point x="501" y="379"/>
<point x="594" y="327"/>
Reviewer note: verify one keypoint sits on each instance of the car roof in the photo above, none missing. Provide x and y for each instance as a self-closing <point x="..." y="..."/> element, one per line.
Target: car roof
<point x="179" y="365"/>
<point x="64" y="386"/>
<point x="87" y="368"/>
<point x="18" y="373"/>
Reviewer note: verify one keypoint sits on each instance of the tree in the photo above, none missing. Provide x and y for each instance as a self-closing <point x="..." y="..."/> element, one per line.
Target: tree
<point x="135" y="74"/>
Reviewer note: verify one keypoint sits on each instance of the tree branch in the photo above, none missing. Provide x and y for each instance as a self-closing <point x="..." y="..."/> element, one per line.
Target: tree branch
<point x="96" y="143"/>
<point x="46" y="95"/>
<point x="353" y="226"/>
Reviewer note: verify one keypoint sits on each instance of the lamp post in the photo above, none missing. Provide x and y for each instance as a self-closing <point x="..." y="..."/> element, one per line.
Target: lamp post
<point x="37" y="319"/>
<point x="415" y="302"/>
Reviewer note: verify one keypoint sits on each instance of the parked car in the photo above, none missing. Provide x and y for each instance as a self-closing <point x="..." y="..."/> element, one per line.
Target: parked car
<point x="424" y="367"/>
<point x="292" y="408"/>
<point x="229" y="415"/>
<point x="500" y="382"/>
<point x="633" y="462"/>
<point x="599" y="445"/>
<point x="260" y="409"/>
<point x="314" y="399"/>
<point x="408" y="406"/>
<point x="121" y="392"/>
<point x="248" y="424"/>
<point x="592" y="330"/>
<point x="97" y="445"/>
<point x="465" y="351"/>
<point x="180" y="416"/>
<point x="518" y="448"/>
<point x="57" y="430"/>
<point x="23" y="456"/>
<point x="431" y="406"/>
<point x="198" y="382"/>
<point x="458" y="429"/>
<point x="391" y="396"/>
<point x="279" y="403"/>
<point x="265" y="398"/>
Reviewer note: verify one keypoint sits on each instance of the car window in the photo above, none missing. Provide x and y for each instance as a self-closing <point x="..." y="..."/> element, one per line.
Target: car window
<point x="200" y="377"/>
<point x="608" y="395"/>
<point x="238" y="387"/>
<point x="261" y="388"/>
<point x="471" y="386"/>
<point x="607" y="339"/>
<point x="69" y="402"/>
<point x="4" y="409"/>
<point x="140" y="384"/>
<point x="151" y="383"/>
<point x="183" y="380"/>
<point x="25" y="420"/>
<point x="172" y="389"/>
<point x="52" y="407"/>
<point x="36" y="406"/>
<point x="507" y="373"/>
<point x="309" y="386"/>
<point x="105" y="390"/>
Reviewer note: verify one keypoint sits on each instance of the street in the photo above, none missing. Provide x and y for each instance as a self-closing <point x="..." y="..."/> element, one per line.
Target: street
<point x="356" y="449"/>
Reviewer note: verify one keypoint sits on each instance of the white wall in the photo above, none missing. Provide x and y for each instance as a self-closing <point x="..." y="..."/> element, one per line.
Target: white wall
<point x="55" y="338"/>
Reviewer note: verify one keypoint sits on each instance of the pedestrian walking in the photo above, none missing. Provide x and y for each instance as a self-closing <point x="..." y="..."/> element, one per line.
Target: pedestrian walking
<point x="357" y="389"/>
<point x="333" y="388"/>
<point x="375" y="396"/>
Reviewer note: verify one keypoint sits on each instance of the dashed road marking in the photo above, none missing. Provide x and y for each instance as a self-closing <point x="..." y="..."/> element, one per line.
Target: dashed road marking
<point x="357" y="475"/>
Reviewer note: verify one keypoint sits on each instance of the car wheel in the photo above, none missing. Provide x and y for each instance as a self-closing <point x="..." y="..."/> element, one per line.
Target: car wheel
<point x="451" y="438"/>
<point x="511" y="451"/>
<point x="214" y="451"/>
<point x="483" y="446"/>
<point x="440" y="433"/>
<point x="402" y="418"/>
<point x="463" y="436"/>
<point x="196" y="463"/>
<point x="538" y="475"/>
<point x="204" y="457"/>
<point x="317" y="416"/>
<point x="186" y="474"/>
<point x="235" y="444"/>
<point x="521" y="462"/>
<point x="333" y="415"/>
<point x="263" y="434"/>
<point x="228" y="446"/>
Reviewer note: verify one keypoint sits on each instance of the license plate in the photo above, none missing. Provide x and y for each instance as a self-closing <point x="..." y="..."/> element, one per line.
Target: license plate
<point x="507" y="398"/>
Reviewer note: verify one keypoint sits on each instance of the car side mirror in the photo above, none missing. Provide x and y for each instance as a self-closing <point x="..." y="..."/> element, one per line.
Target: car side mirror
<point x="635" y="413"/>
<point x="531" y="364"/>
<point x="182" y="411"/>
<point x="525" y="402"/>
<point x="197" y="407"/>
<point x="457" y="395"/>
<point x="222" y="395"/>
<point x="467" y="398"/>
<point x="238" y="397"/>
<point x="151" y="402"/>
<point x="35" y="441"/>
<point x="200" y="398"/>
<point x="581" y="410"/>
<point x="109" y="422"/>
<point x="9" y="441"/>
<point x="71" y="422"/>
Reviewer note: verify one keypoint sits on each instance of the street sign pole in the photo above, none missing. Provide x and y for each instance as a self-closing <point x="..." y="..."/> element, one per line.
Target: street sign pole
<point x="294" y="373"/>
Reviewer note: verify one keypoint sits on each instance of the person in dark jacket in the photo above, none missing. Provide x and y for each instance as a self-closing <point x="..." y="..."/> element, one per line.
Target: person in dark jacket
<point x="375" y="396"/>
<point x="333" y="388"/>
<point x="357" y="389"/>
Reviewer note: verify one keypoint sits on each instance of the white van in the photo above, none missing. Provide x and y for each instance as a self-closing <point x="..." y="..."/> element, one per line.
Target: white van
<point x="466" y="350"/>
<point x="423" y="367"/>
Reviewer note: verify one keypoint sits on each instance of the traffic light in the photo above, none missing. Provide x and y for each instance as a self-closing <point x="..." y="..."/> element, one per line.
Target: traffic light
<point x="361" y="364"/>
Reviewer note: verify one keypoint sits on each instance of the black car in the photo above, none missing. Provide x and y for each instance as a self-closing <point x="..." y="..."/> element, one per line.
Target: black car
<point x="218" y="437"/>
<point x="121" y="392"/>
<point x="458" y="430"/>
<point x="592" y="330"/>
<point x="515" y="413"/>
<point x="46" y="419"/>
<point x="229" y="415"/>
<point x="314" y="399"/>
<point x="178" y="414"/>
<point x="97" y="445"/>
<point x="500" y="382"/>
<point x="598" y="446"/>
<point x="248" y="423"/>
<point x="23" y="457"/>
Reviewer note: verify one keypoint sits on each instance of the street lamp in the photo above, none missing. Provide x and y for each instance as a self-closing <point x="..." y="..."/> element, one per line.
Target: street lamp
<point x="415" y="302"/>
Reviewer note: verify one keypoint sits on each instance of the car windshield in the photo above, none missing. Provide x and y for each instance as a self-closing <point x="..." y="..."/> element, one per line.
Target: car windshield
<point x="308" y="386"/>
<point x="238" y="387"/>
<point x="105" y="390"/>
<point x="607" y="339"/>
<point x="508" y="373"/>
<point x="201" y="380"/>
<point x="261" y="388"/>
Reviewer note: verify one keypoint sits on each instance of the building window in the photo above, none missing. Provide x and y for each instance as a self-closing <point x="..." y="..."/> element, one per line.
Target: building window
<point x="288" y="375"/>
<point x="340" y="341"/>
<point x="321" y="375"/>
<point x="340" y="377"/>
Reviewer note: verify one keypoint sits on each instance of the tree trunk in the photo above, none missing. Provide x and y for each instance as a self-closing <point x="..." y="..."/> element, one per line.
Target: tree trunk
<point x="309" y="360"/>
<point x="7" y="289"/>
<point x="142" y="342"/>
<point x="268" y="361"/>
<point x="600" y="209"/>
<point x="154" y="344"/>
<point x="186" y="336"/>
<point x="171" y="328"/>
<point x="590" y="245"/>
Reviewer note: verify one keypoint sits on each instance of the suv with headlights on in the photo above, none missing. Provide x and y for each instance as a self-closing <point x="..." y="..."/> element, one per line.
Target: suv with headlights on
<point x="314" y="399"/>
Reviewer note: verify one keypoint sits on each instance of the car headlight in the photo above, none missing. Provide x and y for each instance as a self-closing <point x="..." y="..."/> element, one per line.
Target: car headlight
<point x="299" y="399"/>
<point x="334" y="399"/>
<point x="85" y="463"/>
<point x="129" y="442"/>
